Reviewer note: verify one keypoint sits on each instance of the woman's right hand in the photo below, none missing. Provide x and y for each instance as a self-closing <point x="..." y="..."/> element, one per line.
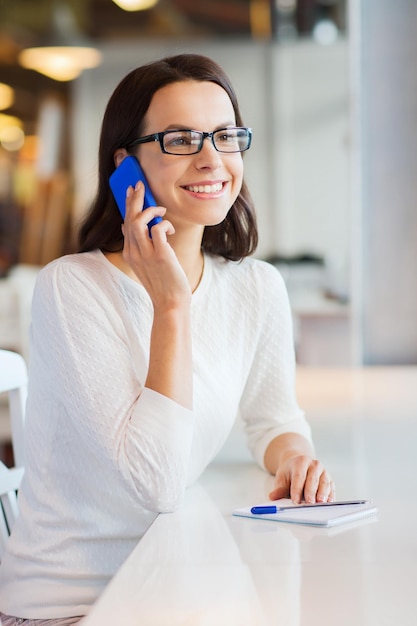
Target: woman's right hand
<point x="153" y="260"/>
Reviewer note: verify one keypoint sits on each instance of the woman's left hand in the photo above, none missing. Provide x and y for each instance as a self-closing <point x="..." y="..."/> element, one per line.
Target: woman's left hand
<point x="301" y="477"/>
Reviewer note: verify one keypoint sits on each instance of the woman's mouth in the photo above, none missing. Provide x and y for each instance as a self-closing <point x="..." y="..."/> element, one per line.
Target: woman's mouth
<point x="215" y="188"/>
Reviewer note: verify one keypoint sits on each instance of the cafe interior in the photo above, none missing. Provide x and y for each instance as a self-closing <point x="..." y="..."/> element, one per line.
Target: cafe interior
<point x="330" y="91"/>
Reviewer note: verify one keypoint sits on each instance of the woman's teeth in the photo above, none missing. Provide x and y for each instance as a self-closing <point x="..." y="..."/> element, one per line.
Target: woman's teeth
<point x="205" y="188"/>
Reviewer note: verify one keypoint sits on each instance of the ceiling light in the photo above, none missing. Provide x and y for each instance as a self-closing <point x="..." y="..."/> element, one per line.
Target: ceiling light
<point x="6" y="96"/>
<point x="11" y="132"/>
<point x="135" y="5"/>
<point x="65" y="54"/>
<point x="12" y="138"/>
<point x="60" y="62"/>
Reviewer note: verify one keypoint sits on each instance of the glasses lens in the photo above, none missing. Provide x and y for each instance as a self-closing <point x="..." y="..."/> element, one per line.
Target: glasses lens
<point x="190" y="141"/>
<point x="232" y="139"/>
<point x="182" y="141"/>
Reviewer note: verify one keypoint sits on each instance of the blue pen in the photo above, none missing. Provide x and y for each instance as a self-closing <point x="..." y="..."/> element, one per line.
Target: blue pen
<point x="263" y="510"/>
<point x="271" y="509"/>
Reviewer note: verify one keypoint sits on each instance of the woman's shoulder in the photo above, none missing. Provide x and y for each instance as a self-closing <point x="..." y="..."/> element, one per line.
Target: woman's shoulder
<point x="76" y="259"/>
<point x="250" y="283"/>
<point x="249" y="271"/>
<point x="73" y="272"/>
<point x="79" y="263"/>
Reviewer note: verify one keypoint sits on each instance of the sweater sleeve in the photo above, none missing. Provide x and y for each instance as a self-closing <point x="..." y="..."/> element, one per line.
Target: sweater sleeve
<point x="84" y="361"/>
<point x="269" y="406"/>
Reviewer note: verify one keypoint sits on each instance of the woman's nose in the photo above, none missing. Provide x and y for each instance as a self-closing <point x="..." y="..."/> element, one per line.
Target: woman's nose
<point x="208" y="155"/>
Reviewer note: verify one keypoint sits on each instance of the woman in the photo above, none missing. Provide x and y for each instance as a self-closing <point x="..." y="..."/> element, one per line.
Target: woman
<point x="144" y="349"/>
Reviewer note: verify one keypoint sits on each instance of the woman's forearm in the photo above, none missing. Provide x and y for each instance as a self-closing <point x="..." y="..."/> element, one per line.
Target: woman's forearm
<point x="170" y="361"/>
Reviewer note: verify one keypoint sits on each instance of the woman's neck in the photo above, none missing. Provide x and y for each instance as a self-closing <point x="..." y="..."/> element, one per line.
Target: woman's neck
<point x="187" y="247"/>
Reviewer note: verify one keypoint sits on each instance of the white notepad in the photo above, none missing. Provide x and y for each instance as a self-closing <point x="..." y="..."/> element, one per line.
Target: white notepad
<point x="328" y="515"/>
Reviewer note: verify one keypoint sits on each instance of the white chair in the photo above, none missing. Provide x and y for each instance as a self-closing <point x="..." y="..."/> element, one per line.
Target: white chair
<point x="14" y="380"/>
<point x="9" y="484"/>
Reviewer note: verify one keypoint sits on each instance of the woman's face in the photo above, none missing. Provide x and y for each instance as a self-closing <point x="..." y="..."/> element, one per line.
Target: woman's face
<point x="176" y="180"/>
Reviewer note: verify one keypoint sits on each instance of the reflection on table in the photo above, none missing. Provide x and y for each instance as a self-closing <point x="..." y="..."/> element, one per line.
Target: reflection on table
<point x="203" y="567"/>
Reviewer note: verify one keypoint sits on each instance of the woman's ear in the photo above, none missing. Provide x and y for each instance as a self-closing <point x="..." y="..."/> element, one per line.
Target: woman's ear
<point x="119" y="155"/>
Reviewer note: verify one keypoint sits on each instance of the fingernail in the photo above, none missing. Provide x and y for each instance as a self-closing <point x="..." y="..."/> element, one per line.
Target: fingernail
<point x="129" y="191"/>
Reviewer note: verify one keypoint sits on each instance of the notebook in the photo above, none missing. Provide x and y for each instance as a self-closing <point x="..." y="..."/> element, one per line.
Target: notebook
<point x="318" y="514"/>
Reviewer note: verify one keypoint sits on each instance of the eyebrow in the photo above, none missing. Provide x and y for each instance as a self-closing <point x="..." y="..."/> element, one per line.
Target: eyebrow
<point x="183" y="127"/>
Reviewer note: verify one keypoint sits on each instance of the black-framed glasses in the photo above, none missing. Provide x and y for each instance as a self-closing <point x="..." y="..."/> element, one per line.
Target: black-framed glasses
<point x="185" y="142"/>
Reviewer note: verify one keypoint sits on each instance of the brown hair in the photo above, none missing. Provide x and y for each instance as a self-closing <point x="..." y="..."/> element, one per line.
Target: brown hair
<point x="235" y="237"/>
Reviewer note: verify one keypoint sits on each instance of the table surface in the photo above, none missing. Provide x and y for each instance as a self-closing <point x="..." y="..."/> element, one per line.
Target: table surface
<point x="201" y="566"/>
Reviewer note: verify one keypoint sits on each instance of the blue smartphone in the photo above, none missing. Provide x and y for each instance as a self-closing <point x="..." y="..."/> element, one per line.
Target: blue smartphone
<point x="127" y="174"/>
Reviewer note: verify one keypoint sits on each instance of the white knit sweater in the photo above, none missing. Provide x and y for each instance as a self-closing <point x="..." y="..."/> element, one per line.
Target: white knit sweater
<point x="104" y="454"/>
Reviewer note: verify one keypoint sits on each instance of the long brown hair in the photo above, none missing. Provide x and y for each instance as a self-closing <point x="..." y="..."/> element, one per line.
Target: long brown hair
<point x="236" y="236"/>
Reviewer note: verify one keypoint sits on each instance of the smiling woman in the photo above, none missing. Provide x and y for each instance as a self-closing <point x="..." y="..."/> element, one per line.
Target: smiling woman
<point x="174" y="176"/>
<point x="133" y="339"/>
<point x="180" y="82"/>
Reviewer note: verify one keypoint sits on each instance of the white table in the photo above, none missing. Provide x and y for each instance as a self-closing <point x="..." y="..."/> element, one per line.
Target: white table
<point x="203" y="567"/>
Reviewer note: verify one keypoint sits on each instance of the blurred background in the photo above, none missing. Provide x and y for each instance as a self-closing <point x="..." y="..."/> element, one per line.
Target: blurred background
<point x="330" y="90"/>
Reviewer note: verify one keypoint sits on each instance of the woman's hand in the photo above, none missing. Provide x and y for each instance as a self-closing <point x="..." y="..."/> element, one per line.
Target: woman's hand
<point x="152" y="259"/>
<point x="297" y="474"/>
<point x="302" y="478"/>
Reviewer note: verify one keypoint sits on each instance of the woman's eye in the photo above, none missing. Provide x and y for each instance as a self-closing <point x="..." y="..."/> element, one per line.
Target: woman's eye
<point x="227" y="137"/>
<point x="178" y="140"/>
